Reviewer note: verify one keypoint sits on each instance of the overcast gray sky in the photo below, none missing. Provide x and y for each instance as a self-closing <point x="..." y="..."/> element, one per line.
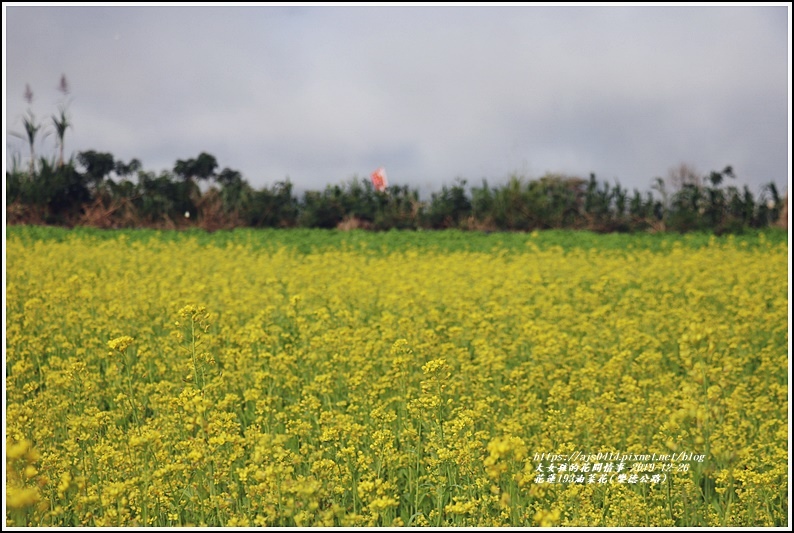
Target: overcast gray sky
<point x="322" y="94"/>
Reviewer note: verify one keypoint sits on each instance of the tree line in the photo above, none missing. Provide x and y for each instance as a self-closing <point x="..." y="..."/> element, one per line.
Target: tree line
<point x="96" y="189"/>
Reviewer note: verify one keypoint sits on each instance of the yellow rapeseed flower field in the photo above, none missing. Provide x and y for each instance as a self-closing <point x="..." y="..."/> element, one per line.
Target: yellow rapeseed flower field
<point x="175" y="382"/>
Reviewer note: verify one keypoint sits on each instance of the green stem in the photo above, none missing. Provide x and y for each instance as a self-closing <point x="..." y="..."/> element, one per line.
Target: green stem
<point x="134" y="409"/>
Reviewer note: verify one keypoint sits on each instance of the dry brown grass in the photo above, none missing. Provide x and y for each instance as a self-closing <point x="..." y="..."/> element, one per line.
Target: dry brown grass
<point x="351" y="223"/>
<point x="782" y="222"/>
<point x="119" y="214"/>
<point x="17" y="213"/>
<point x="473" y="224"/>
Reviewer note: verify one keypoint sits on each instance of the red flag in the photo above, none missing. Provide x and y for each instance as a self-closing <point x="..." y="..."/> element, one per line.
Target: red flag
<point x="379" y="180"/>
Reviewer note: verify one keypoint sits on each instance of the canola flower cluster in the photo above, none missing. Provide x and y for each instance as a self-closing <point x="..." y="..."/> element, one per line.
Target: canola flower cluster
<point x="176" y="383"/>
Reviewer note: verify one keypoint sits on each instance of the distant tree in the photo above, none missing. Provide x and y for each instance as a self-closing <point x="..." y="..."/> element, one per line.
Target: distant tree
<point x="598" y="202"/>
<point x="228" y="177"/>
<point x="482" y="204"/>
<point x="508" y="207"/>
<point x="773" y="205"/>
<point x="685" y="214"/>
<point x="661" y="207"/>
<point x="322" y="209"/>
<point x="66" y="189"/>
<point x="98" y="166"/>
<point x="32" y="128"/>
<point x="449" y="208"/>
<point x="683" y="175"/>
<point x="202" y="168"/>
<point x="564" y="200"/>
<point x="61" y="123"/>
<point x="163" y="199"/>
<point x="124" y="189"/>
<point x="716" y="208"/>
<point x="235" y="192"/>
<point x="748" y="206"/>
<point x="124" y="170"/>
<point x="636" y="206"/>
<point x="61" y="120"/>
<point x="398" y="208"/>
<point x="360" y="200"/>
<point x="273" y="207"/>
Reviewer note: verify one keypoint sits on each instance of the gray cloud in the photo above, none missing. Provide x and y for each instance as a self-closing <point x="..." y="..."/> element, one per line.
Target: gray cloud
<point x="321" y="94"/>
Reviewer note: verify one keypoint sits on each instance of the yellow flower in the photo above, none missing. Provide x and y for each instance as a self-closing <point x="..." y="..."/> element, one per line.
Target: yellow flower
<point x="120" y="344"/>
<point x="21" y="497"/>
<point x="547" y="518"/>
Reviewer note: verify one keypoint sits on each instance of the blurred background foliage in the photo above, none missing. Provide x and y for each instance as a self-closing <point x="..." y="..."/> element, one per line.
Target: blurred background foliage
<point x="96" y="189"/>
